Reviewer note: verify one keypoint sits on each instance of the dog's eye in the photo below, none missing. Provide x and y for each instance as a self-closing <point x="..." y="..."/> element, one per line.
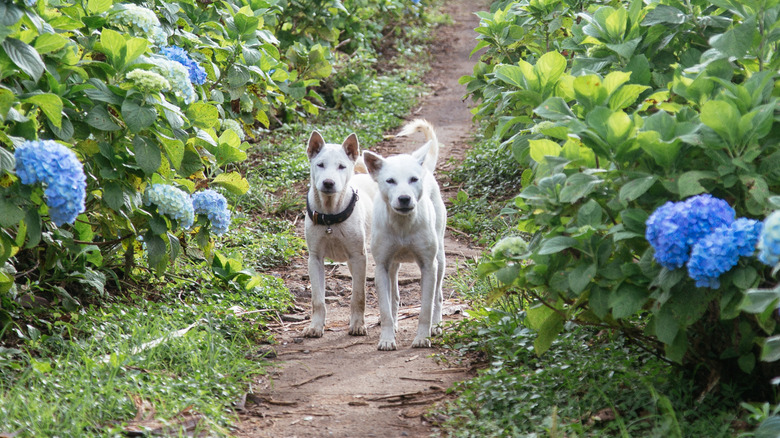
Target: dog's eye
<point x="342" y="167"/>
<point x="390" y="181"/>
<point x="321" y="165"/>
<point x="413" y="179"/>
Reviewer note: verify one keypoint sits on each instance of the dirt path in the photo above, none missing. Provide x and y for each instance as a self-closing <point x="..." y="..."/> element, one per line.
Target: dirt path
<point x="340" y="385"/>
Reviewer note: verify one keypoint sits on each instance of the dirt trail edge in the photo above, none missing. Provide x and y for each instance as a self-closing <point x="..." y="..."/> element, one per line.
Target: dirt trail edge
<point x="340" y="385"/>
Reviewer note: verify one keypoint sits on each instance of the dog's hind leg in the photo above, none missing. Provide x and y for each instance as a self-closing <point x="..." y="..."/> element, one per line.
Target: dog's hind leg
<point x="357" y="303"/>
<point x="438" y="298"/>
<point x="317" y="278"/>
<point x="429" y="274"/>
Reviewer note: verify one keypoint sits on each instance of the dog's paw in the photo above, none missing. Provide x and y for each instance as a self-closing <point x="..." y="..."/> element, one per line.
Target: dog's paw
<point x="435" y="330"/>
<point x="386" y="345"/>
<point x="313" y="332"/>
<point x="420" y="342"/>
<point x="357" y="330"/>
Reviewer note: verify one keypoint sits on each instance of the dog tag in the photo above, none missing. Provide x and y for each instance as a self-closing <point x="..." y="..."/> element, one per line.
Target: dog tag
<point x="329" y="230"/>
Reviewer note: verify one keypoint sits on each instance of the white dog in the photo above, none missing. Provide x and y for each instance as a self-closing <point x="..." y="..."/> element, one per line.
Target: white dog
<point x="338" y="225"/>
<point x="409" y="220"/>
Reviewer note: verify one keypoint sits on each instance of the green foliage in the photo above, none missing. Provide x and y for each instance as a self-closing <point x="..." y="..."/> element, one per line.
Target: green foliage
<point x="637" y="105"/>
<point x="590" y="383"/>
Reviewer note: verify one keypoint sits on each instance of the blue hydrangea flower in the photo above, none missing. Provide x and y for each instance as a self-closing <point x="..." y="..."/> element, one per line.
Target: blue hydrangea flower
<point x="197" y="73"/>
<point x="172" y="202"/>
<point x="215" y="207"/>
<point x="178" y="76"/>
<point x="139" y="19"/>
<point x="746" y="232"/>
<point x="675" y="227"/>
<point x="30" y="3"/>
<point x="769" y="240"/>
<point x="713" y="255"/>
<point x="56" y="166"/>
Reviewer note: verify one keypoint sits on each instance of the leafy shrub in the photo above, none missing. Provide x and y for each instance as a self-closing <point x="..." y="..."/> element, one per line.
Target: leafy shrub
<point x="638" y="105"/>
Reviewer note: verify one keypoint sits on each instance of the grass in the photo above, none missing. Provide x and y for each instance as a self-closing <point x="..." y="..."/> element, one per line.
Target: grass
<point x="590" y="383"/>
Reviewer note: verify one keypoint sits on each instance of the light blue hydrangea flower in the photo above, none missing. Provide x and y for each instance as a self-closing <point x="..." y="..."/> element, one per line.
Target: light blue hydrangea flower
<point x="30" y="3"/>
<point x="178" y="76"/>
<point x="769" y="240"/>
<point x="713" y="255"/>
<point x="172" y="202"/>
<point x="215" y="207"/>
<point x="746" y="232"/>
<point x="197" y="73"/>
<point x="139" y="19"/>
<point x="56" y="166"/>
<point x="675" y="227"/>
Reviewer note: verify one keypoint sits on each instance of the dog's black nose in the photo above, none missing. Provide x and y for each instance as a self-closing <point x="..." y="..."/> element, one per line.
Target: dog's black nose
<point x="328" y="184"/>
<point x="404" y="200"/>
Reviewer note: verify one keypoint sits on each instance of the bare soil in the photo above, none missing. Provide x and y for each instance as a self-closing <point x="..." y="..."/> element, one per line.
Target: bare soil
<point x="340" y="385"/>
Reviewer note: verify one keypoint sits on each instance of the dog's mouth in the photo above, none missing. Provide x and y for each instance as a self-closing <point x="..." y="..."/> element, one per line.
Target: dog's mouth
<point x="404" y="210"/>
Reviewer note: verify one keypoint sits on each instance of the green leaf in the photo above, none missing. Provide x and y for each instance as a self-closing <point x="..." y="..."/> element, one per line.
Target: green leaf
<point x="555" y="108"/>
<point x="97" y="7"/>
<point x="233" y="182"/>
<point x="723" y="117"/>
<point x="50" y="104"/>
<point x="689" y="185"/>
<point x="512" y="75"/>
<point x="590" y="214"/>
<point x="758" y="300"/>
<point x="113" y="195"/>
<point x="33" y="221"/>
<point x="98" y="118"/>
<point x="147" y="155"/>
<point x="135" y="48"/>
<point x="663" y="14"/>
<point x="49" y="42"/>
<point x="666" y="326"/>
<point x="676" y="350"/>
<point x="626" y="96"/>
<point x="578" y="186"/>
<point x="156" y="251"/>
<point x="636" y="188"/>
<point x="664" y="153"/>
<point x="12" y="213"/>
<point x="589" y="90"/>
<point x="549" y="68"/>
<point x="543" y="147"/>
<point x="137" y="117"/>
<point x="627" y="299"/>
<point x="174" y="149"/>
<point x="202" y="115"/>
<point x="557" y="244"/>
<point x="547" y="333"/>
<point x="25" y="57"/>
<point x="770" y="351"/>
<point x="747" y="362"/>
<point x="580" y="276"/>
<point x="736" y="41"/>
<point x="113" y="45"/>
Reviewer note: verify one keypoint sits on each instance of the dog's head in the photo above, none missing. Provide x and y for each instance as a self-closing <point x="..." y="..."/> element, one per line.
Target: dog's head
<point x="332" y="165"/>
<point x="400" y="179"/>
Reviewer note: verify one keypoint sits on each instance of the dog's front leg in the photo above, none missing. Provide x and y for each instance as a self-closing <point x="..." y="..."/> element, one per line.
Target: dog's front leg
<point x="317" y="278"/>
<point x="438" y="299"/>
<point x="386" y="318"/>
<point x="428" y="286"/>
<point x="357" y="303"/>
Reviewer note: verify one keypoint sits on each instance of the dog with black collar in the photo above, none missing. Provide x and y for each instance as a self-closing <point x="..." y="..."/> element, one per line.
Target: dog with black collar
<point x="339" y="206"/>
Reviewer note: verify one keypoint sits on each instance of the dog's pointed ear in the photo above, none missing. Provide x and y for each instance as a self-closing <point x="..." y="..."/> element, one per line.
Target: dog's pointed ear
<point x="352" y="147"/>
<point x="373" y="162"/>
<point x="316" y="142"/>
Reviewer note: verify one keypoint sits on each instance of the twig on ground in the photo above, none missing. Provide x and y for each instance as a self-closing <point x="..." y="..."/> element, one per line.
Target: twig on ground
<point x="295" y="385"/>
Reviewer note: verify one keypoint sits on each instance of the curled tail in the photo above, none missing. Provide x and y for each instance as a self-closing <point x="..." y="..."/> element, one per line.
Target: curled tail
<point x="430" y="150"/>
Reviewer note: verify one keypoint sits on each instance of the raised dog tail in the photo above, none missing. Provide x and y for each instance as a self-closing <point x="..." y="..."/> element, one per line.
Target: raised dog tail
<point x="431" y="148"/>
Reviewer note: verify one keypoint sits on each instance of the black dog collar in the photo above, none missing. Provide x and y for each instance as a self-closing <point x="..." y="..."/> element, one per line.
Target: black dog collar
<point x="332" y="219"/>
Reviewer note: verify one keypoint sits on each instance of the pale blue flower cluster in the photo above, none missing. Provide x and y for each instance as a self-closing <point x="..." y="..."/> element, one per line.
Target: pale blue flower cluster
<point x="140" y="19"/>
<point x="703" y="234"/>
<point x="719" y="251"/>
<point x="769" y="241"/>
<point x="55" y="165"/>
<point x="215" y="207"/>
<point x="178" y="76"/>
<point x="197" y="73"/>
<point x="172" y="202"/>
<point x="30" y="3"/>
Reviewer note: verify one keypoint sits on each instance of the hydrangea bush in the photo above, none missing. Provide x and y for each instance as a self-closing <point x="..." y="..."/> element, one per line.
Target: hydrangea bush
<point x="650" y="148"/>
